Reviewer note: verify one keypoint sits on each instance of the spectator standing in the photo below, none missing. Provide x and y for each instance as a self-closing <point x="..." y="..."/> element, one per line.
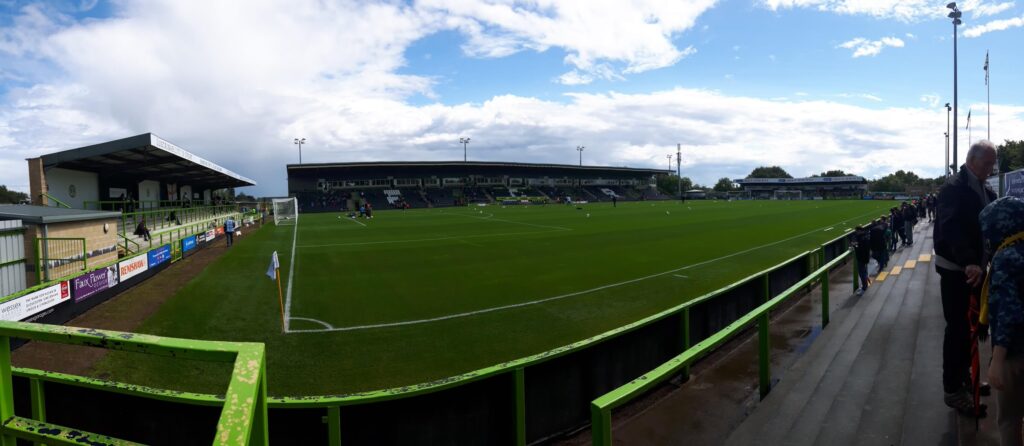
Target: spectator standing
<point x="897" y="223"/>
<point x="909" y="220"/>
<point x="229" y="230"/>
<point x="1002" y="224"/>
<point x="876" y="236"/>
<point x="959" y="257"/>
<point x="862" y="250"/>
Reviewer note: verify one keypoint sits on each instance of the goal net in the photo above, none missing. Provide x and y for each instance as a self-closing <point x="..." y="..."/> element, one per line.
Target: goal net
<point x="286" y="211"/>
<point x="788" y="194"/>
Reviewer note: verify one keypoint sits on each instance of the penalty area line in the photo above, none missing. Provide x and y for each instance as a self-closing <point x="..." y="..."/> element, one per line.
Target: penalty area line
<point x="563" y="296"/>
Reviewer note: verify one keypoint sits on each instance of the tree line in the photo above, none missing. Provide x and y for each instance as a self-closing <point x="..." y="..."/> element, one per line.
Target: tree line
<point x="1010" y="158"/>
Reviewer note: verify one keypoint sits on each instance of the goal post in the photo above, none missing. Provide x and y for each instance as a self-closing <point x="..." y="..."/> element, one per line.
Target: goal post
<point x="782" y="194"/>
<point x="286" y="211"/>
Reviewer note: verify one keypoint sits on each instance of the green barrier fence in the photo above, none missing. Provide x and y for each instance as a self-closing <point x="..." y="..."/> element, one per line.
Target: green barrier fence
<point x="602" y="407"/>
<point x="243" y="415"/>
<point x="508" y="389"/>
<point x="59" y="257"/>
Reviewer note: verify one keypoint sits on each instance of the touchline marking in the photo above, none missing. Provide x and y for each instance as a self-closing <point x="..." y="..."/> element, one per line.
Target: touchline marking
<point x="681" y="276"/>
<point x="291" y="274"/>
<point x="563" y="296"/>
<point x="416" y="240"/>
<point x="491" y="218"/>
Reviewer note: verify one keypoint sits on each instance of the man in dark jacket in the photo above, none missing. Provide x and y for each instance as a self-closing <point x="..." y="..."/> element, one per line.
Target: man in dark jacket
<point x="876" y="235"/>
<point x="897" y="228"/>
<point x="862" y="251"/>
<point x="909" y="220"/>
<point x="960" y="260"/>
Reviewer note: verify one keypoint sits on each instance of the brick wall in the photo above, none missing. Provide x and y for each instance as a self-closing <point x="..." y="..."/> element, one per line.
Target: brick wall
<point x="100" y="247"/>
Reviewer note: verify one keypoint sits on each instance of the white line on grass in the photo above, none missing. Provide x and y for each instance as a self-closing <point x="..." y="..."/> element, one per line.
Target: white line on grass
<point x="355" y="221"/>
<point x="291" y="275"/>
<point x="491" y="218"/>
<point x="563" y="296"/>
<point x="325" y="324"/>
<point x="432" y="239"/>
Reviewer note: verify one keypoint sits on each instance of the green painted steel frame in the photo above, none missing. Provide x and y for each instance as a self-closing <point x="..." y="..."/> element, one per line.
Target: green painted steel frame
<point x="243" y="417"/>
<point x="515" y="369"/>
<point x="602" y="406"/>
<point x="40" y="259"/>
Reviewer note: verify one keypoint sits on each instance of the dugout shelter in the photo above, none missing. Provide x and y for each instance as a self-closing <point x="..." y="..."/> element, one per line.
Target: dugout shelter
<point x="144" y="167"/>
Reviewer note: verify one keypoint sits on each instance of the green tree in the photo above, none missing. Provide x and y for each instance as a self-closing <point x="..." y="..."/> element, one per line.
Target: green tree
<point x="11" y="196"/>
<point x="769" y="172"/>
<point x="244" y="197"/>
<point x="1011" y="156"/>
<point x="669" y="184"/>
<point x="834" y="173"/>
<point x="901" y="180"/>
<point x="724" y="184"/>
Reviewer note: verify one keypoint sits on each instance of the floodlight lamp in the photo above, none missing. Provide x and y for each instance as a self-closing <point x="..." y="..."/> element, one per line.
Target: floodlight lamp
<point x="957" y="22"/>
<point x="956" y="14"/>
<point x="951" y="5"/>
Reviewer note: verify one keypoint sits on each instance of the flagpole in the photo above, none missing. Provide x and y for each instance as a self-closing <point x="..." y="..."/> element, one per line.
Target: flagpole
<point x="280" y="297"/>
<point x="988" y="98"/>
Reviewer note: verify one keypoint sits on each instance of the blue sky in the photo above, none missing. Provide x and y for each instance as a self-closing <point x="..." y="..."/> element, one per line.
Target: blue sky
<point x="810" y="85"/>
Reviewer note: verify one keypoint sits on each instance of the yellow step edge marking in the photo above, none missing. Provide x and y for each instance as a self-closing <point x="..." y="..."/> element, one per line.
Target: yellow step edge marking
<point x="881" y="276"/>
<point x="924" y="258"/>
<point x="895" y="271"/>
<point x="910" y="264"/>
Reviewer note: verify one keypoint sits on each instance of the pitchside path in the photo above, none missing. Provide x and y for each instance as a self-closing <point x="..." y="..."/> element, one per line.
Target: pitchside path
<point x="872" y="377"/>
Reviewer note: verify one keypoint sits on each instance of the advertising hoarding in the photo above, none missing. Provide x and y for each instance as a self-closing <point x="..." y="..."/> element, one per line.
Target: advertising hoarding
<point x="32" y="303"/>
<point x="132" y="267"/>
<point x="93" y="282"/>
<point x="159" y="255"/>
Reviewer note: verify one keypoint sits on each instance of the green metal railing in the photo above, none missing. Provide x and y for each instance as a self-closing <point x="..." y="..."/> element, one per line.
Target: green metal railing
<point x="55" y="200"/>
<point x="243" y="417"/>
<point x="59" y="257"/>
<point x="127" y="244"/>
<point x="515" y="370"/>
<point x="169" y="217"/>
<point x="602" y="407"/>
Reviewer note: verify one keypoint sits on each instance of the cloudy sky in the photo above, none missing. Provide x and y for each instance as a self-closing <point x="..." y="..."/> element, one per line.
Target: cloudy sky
<point x="810" y="85"/>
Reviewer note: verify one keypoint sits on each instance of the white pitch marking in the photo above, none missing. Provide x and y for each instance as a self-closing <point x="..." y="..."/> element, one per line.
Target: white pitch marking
<point x="563" y="296"/>
<point x="355" y="221"/>
<point x="291" y="275"/>
<point x="325" y="324"/>
<point x="447" y="237"/>
<point x="681" y="276"/>
<point x="829" y="229"/>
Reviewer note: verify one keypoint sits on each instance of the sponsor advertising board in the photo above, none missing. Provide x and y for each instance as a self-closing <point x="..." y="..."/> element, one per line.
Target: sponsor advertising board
<point x="210" y="235"/>
<point x="220" y="230"/>
<point x="188" y="244"/>
<point x="201" y="238"/>
<point x="91" y="283"/>
<point x="132" y="267"/>
<point x="159" y="255"/>
<point x="32" y="303"/>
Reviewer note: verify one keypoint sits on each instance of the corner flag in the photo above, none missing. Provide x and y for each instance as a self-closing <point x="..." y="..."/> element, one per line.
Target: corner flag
<point x="274" y="265"/>
<point x="272" y="272"/>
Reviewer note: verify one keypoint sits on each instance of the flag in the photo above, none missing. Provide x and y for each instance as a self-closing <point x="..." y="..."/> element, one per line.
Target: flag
<point x="968" y="118"/>
<point x="274" y="265"/>
<point x="986" y="67"/>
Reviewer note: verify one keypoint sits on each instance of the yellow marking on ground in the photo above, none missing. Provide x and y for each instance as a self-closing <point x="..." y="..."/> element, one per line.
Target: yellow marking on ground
<point x="910" y="264"/>
<point x="924" y="258"/>
<point x="895" y="271"/>
<point x="881" y="276"/>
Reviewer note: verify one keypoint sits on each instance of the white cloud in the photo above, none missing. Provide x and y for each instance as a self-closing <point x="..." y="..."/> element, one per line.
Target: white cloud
<point x="995" y="25"/>
<point x="931" y="99"/>
<point x="235" y="85"/>
<point x="864" y="47"/>
<point x="902" y="10"/>
<point x="978" y="8"/>
<point x="867" y="96"/>
<point x="635" y="33"/>
<point x="910" y="36"/>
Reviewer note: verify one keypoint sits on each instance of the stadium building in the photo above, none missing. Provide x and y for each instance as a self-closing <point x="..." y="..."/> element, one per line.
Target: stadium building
<point x="804" y="188"/>
<point x="390" y="184"/>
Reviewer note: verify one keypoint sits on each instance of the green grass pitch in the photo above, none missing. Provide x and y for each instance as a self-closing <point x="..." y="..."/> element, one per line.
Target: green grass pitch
<point x="413" y="296"/>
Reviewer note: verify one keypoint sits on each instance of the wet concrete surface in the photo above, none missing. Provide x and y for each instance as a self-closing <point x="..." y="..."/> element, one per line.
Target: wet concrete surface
<point x="723" y="388"/>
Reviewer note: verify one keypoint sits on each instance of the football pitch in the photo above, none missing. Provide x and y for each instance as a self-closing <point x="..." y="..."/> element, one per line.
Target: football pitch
<point x="420" y="295"/>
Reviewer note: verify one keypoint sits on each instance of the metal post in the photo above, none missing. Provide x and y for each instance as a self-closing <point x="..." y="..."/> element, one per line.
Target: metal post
<point x="764" y="362"/>
<point x="520" y="399"/>
<point x="679" y="170"/>
<point x="956" y="21"/>
<point x="37" y="393"/>
<point x="6" y="387"/>
<point x="580" y="149"/>
<point x="601" y="426"/>
<point x="824" y="291"/>
<point x="334" y="426"/>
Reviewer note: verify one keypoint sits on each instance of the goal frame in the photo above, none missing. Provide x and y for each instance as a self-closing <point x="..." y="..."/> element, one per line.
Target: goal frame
<point x="285" y="218"/>
<point x="787" y="194"/>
